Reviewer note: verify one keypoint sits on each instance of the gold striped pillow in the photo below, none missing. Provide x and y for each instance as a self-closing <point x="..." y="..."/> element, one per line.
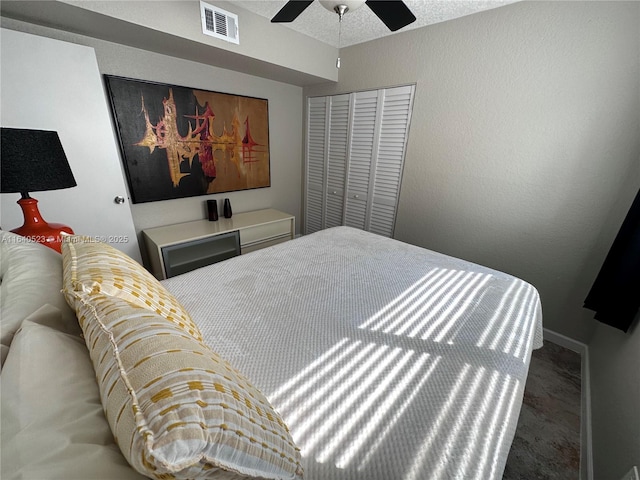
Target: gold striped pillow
<point x="94" y="267"/>
<point x="176" y="409"/>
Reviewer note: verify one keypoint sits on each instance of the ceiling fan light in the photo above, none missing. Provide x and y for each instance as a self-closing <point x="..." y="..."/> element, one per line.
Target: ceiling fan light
<point x="350" y="4"/>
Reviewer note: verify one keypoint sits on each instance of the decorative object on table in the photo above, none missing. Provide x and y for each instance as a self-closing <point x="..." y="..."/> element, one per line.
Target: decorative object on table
<point x="227" y="208"/>
<point x="212" y="210"/>
<point x="34" y="160"/>
<point x="181" y="142"/>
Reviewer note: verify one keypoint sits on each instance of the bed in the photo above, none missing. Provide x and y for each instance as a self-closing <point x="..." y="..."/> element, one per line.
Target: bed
<point x="383" y="360"/>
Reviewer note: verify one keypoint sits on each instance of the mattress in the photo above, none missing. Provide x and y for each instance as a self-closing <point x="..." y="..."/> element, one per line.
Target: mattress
<point x="386" y="360"/>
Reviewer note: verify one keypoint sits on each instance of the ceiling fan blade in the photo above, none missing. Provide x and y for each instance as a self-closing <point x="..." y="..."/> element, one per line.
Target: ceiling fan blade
<point x="394" y="14"/>
<point x="290" y="11"/>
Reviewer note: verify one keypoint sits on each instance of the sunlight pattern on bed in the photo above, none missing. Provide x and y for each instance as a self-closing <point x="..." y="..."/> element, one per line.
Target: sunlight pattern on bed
<point x="436" y="301"/>
<point x="385" y="360"/>
<point x="355" y="407"/>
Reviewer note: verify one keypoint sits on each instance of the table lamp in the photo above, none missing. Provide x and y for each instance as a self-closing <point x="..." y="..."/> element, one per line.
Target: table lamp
<point x="33" y="160"/>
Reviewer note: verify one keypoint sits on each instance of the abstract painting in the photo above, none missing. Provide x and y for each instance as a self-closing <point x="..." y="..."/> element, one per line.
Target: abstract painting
<point x="181" y="142"/>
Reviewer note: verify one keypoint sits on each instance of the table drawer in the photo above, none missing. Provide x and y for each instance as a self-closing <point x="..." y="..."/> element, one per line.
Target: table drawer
<point x="260" y="233"/>
<point x="267" y="243"/>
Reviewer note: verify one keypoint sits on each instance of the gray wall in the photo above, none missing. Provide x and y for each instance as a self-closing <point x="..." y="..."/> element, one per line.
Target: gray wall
<point x="285" y="123"/>
<point x="615" y="400"/>
<point x="615" y="377"/>
<point x="525" y="123"/>
<point x="524" y="155"/>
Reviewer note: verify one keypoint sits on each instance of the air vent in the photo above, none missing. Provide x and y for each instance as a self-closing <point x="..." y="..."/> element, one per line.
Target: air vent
<point x="219" y="23"/>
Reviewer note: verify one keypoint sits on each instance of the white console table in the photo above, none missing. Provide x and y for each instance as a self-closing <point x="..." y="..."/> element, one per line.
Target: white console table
<point x="182" y="247"/>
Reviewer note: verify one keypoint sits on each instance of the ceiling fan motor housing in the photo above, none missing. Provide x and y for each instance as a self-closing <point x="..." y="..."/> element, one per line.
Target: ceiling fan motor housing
<point x="332" y="5"/>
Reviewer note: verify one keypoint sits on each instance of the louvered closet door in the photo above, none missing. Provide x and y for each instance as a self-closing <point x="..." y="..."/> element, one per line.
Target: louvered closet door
<point x="317" y="140"/>
<point x="363" y="151"/>
<point x="337" y="159"/>
<point x="355" y="154"/>
<point x="392" y="141"/>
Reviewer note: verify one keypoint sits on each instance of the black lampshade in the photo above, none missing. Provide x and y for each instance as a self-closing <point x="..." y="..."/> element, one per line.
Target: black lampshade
<point x="33" y="161"/>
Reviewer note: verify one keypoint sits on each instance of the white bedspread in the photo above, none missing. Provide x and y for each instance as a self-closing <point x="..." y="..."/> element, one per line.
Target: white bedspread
<point x="387" y="361"/>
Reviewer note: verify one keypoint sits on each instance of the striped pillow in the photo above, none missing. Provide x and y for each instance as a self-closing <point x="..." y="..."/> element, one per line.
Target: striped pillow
<point x="176" y="409"/>
<point x="95" y="267"/>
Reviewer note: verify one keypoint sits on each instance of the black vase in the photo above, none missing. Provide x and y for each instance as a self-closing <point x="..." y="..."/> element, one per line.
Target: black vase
<point x="212" y="209"/>
<point x="227" y="208"/>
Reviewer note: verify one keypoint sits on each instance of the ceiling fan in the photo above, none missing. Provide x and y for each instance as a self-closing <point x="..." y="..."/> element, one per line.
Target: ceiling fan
<point x="394" y="13"/>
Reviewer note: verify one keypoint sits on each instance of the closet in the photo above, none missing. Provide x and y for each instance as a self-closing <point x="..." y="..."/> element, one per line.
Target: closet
<point x="355" y="148"/>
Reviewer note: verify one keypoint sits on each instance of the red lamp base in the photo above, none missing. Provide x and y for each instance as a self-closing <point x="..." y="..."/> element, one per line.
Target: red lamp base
<point x="37" y="230"/>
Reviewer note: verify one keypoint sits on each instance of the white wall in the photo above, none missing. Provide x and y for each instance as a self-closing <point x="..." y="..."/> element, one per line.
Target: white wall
<point x="181" y="19"/>
<point x="285" y="124"/>
<point x="174" y="28"/>
<point x="525" y="123"/>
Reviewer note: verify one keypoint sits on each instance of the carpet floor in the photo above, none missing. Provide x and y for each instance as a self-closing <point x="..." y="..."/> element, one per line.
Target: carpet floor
<point x="547" y="440"/>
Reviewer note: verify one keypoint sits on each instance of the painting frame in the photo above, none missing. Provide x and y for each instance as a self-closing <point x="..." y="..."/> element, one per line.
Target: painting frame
<point x="179" y="142"/>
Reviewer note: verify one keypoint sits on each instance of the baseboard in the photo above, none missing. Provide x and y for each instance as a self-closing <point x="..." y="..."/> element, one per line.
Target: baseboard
<point x="564" y="341"/>
<point x="586" y="466"/>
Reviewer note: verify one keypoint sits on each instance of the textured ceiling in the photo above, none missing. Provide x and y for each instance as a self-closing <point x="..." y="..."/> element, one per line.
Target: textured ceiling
<point x="361" y="25"/>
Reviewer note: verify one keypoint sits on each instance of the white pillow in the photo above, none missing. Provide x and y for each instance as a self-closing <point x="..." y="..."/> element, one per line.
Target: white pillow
<point x="30" y="276"/>
<point x="175" y="407"/>
<point x="97" y="268"/>
<point x="53" y="425"/>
